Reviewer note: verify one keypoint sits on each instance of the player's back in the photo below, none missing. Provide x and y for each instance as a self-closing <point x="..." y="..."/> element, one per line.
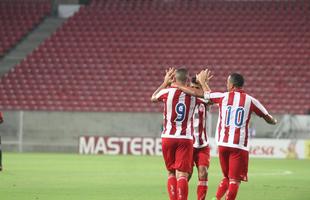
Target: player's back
<point x="178" y="112"/>
<point x="199" y="124"/>
<point x="235" y="113"/>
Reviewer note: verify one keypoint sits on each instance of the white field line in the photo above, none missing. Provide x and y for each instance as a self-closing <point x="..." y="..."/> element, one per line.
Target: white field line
<point x="276" y="173"/>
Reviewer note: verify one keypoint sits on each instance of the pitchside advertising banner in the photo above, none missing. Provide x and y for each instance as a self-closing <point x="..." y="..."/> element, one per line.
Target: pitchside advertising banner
<point x="259" y="148"/>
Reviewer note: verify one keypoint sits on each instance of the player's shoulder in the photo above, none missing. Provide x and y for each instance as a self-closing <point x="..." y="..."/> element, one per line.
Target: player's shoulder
<point x="177" y="91"/>
<point x="217" y="93"/>
<point x="168" y="89"/>
<point x="172" y="88"/>
<point x="164" y="92"/>
<point x="250" y="96"/>
<point x="220" y="94"/>
<point x="247" y="95"/>
<point x="252" y="99"/>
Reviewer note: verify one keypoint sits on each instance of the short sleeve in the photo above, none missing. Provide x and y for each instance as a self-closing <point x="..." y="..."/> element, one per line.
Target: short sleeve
<point x="162" y="94"/>
<point x="258" y="108"/>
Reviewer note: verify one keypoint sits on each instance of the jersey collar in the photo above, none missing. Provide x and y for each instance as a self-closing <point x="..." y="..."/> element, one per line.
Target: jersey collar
<point x="238" y="90"/>
<point x="173" y="86"/>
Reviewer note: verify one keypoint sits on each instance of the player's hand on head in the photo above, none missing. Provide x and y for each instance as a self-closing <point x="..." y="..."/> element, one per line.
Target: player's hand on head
<point x="169" y="77"/>
<point x="169" y="70"/>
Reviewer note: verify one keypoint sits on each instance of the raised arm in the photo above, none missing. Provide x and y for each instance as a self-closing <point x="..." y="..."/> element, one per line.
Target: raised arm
<point x="189" y="90"/>
<point x="167" y="81"/>
<point x="203" y="78"/>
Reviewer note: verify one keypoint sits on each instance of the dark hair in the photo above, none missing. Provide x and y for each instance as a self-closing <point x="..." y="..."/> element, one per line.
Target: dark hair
<point x="181" y="75"/>
<point x="194" y="80"/>
<point x="237" y="80"/>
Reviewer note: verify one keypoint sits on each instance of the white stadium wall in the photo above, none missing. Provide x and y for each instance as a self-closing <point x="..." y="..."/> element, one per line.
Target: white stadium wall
<point x="42" y="131"/>
<point x="258" y="148"/>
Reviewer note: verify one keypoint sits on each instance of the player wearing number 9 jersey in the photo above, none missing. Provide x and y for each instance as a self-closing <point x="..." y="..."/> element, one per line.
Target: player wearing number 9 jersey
<point x="235" y="108"/>
<point x="177" y="138"/>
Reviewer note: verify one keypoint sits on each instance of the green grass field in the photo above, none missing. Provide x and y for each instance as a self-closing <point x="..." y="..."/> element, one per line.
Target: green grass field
<point x="76" y="177"/>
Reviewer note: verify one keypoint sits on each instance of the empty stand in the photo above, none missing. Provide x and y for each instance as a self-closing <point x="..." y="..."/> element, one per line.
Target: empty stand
<point x="111" y="55"/>
<point x="17" y="18"/>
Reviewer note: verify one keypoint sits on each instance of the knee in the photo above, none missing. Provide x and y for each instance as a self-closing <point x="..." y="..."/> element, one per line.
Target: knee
<point x="203" y="173"/>
<point x="234" y="181"/>
<point x="225" y="181"/>
<point x="171" y="173"/>
<point x="180" y="174"/>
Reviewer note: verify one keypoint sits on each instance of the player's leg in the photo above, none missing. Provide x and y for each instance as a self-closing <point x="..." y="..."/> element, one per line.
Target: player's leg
<point x="238" y="170"/>
<point x="183" y="166"/>
<point x="168" y="148"/>
<point x="232" y="189"/>
<point x="190" y="175"/>
<point x="172" y="185"/>
<point x="224" y="162"/>
<point x="202" y="186"/>
<point x="182" y="185"/>
<point x="193" y="164"/>
<point x="202" y="162"/>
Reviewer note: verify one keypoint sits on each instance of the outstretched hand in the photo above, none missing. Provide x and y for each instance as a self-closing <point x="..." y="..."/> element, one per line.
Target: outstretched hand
<point x="204" y="76"/>
<point x="169" y="77"/>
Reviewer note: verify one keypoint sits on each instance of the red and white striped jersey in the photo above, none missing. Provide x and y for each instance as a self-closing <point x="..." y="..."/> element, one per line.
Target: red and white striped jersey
<point x="235" y="110"/>
<point x="178" y="113"/>
<point x="199" y="124"/>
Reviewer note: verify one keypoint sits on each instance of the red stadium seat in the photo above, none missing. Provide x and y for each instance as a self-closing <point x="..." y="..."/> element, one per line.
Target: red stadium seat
<point x="18" y="18"/>
<point x="111" y="58"/>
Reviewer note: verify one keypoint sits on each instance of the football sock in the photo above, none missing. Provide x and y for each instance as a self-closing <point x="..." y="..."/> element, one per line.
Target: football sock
<point x="202" y="189"/>
<point x="172" y="187"/>
<point x="232" y="191"/>
<point x="222" y="188"/>
<point x="182" y="187"/>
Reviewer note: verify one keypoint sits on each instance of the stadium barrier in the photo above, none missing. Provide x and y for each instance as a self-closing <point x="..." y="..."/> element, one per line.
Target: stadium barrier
<point x="259" y="148"/>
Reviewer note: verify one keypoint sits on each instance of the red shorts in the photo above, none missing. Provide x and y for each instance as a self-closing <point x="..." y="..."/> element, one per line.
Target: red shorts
<point x="234" y="163"/>
<point x="201" y="156"/>
<point x="178" y="154"/>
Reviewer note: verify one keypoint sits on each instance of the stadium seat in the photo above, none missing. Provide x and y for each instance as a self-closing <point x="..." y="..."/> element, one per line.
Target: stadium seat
<point x="111" y="55"/>
<point x="17" y="18"/>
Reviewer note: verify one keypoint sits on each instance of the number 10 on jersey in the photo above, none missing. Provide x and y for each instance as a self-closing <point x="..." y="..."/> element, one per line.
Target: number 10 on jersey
<point x="239" y="116"/>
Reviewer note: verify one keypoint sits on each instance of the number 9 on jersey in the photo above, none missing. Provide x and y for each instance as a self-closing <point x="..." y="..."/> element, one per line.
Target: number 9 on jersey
<point x="180" y="110"/>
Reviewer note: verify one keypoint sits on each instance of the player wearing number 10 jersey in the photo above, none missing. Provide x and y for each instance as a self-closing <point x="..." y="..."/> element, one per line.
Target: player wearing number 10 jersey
<point x="235" y="108"/>
<point x="177" y="138"/>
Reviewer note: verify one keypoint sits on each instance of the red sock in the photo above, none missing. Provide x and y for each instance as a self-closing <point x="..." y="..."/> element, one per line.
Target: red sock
<point x="182" y="186"/>
<point x="222" y="188"/>
<point x="172" y="187"/>
<point x="202" y="189"/>
<point x="232" y="191"/>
